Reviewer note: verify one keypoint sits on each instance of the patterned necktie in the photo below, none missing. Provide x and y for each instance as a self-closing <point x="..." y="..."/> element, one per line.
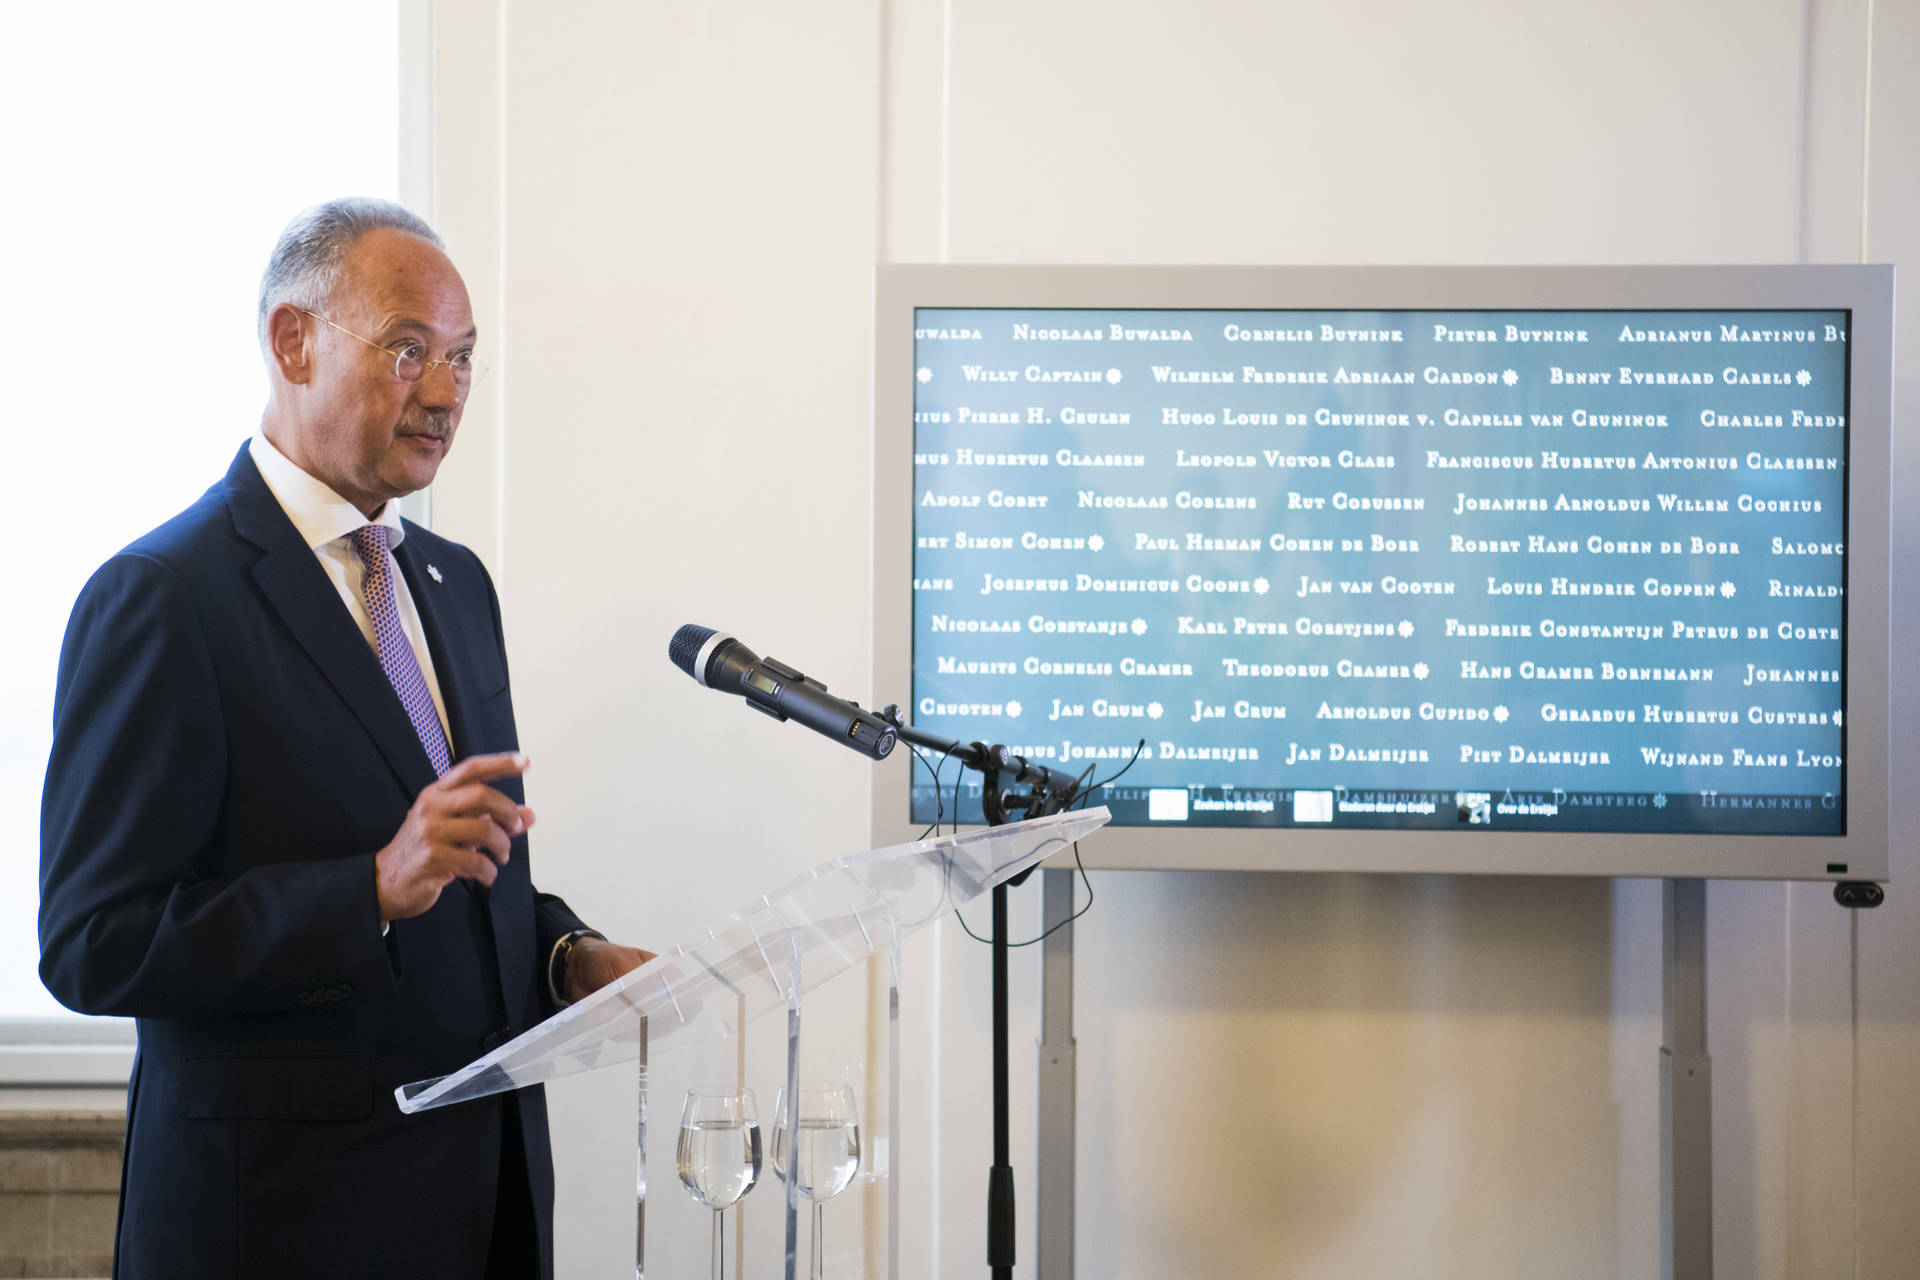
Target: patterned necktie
<point x="396" y="653"/>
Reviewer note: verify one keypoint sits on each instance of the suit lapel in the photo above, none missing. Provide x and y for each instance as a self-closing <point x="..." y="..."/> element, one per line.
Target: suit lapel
<point x="447" y="639"/>
<point x="297" y="588"/>
<point x="459" y="670"/>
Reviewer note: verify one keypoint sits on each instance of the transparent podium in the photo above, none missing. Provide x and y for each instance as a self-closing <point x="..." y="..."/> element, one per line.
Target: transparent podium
<point x="719" y="1066"/>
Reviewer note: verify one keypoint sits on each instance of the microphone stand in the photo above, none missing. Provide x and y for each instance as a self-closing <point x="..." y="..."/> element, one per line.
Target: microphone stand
<point x="1050" y="792"/>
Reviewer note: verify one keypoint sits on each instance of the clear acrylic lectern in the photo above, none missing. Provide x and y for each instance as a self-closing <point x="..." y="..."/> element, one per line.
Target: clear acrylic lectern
<point x="718" y="1066"/>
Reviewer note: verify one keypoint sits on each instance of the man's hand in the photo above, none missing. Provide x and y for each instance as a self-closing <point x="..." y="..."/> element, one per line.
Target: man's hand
<point x="592" y="964"/>
<point x="458" y="828"/>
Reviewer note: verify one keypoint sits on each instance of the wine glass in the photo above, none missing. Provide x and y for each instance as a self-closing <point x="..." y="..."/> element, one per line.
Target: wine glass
<point x="718" y="1156"/>
<point x="826" y="1151"/>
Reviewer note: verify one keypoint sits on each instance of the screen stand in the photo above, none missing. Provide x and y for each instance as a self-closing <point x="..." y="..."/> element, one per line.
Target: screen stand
<point x="1053" y="1184"/>
<point x="1686" y="1094"/>
<point x="1686" y="1086"/>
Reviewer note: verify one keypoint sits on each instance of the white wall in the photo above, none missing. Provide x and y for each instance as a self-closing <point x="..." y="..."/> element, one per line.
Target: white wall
<point x="669" y="214"/>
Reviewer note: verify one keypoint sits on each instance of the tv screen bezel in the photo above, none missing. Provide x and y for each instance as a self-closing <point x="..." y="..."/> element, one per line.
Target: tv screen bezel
<point x="1865" y="292"/>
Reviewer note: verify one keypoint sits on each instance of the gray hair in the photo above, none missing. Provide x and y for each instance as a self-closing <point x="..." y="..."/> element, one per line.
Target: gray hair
<point x="306" y="262"/>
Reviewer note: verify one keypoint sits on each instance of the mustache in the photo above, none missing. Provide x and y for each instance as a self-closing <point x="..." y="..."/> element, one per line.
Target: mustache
<point x="437" y="423"/>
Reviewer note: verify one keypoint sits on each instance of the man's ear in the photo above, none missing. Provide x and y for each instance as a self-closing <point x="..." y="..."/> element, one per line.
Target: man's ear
<point x="290" y="342"/>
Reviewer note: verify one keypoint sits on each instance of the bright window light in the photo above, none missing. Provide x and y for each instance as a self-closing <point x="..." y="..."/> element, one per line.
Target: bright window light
<point x="150" y="155"/>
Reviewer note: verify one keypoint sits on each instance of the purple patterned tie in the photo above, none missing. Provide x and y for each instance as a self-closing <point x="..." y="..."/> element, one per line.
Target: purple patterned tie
<point x="396" y="654"/>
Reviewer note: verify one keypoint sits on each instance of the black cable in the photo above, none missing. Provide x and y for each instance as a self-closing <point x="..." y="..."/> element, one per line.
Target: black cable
<point x="946" y="858"/>
<point x="1044" y="935"/>
<point x="1112" y="778"/>
<point x="937" y="808"/>
<point x="958" y="774"/>
<point x="1080" y="803"/>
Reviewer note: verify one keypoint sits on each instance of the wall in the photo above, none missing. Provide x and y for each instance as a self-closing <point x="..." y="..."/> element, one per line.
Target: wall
<point x="669" y="214"/>
<point x="59" y="1190"/>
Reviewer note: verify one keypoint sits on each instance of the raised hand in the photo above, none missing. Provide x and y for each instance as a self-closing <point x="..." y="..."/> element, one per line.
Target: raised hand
<point x="459" y="828"/>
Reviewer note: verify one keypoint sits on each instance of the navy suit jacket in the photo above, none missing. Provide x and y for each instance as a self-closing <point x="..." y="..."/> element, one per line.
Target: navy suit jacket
<point x="227" y="758"/>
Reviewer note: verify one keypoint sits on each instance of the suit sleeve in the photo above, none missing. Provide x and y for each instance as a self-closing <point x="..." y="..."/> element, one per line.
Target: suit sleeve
<point x="140" y="914"/>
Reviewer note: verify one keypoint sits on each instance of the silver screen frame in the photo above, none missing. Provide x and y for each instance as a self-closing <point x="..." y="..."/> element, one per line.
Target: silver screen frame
<point x="1864" y="291"/>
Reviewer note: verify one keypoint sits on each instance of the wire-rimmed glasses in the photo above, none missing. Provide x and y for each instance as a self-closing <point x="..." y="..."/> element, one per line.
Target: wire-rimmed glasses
<point x="410" y="362"/>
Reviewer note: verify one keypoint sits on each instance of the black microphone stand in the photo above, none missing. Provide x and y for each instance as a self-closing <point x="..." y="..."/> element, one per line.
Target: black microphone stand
<point x="1050" y="792"/>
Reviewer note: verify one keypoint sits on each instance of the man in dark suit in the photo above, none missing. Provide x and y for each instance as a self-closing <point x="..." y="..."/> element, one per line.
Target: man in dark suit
<point x="283" y="824"/>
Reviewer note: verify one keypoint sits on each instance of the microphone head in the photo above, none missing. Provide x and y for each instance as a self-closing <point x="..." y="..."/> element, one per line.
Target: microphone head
<point x="693" y="647"/>
<point x="686" y="645"/>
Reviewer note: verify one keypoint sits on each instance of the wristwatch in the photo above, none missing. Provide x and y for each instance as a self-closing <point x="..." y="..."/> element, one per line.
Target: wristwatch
<point x="557" y="963"/>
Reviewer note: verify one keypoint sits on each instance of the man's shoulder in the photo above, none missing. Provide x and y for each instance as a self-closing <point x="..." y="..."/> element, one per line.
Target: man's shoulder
<point x="170" y="573"/>
<point x="193" y="532"/>
<point x="198" y="548"/>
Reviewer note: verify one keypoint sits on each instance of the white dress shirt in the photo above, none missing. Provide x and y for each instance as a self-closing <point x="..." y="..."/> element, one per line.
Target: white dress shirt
<point x="325" y="520"/>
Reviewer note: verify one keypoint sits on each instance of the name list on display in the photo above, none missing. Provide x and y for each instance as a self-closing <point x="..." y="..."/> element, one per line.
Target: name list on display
<point x="1532" y="565"/>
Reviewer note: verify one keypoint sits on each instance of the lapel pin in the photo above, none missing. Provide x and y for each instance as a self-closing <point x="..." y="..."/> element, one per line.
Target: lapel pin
<point x="433" y="571"/>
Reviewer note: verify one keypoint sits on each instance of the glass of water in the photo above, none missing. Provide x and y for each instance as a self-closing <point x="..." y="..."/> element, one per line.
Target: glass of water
<point x="718" y="1156"/>
<point x="826" y="1149"/>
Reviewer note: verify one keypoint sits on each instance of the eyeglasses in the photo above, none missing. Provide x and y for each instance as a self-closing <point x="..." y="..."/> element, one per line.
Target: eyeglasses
<point x="410" y="363"/>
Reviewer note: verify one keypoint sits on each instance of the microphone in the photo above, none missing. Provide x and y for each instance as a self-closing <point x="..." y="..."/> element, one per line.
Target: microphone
<point x="718" y="661"/>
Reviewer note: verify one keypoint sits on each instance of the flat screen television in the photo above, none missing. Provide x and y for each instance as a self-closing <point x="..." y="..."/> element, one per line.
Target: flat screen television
<point x="1522" y="570"/>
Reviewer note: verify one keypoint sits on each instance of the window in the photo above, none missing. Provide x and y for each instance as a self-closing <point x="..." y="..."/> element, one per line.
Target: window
<point x="151" y="155"/>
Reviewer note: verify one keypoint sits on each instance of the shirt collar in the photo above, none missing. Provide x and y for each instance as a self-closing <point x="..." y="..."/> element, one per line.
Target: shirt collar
<point x="318" y="513"/>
